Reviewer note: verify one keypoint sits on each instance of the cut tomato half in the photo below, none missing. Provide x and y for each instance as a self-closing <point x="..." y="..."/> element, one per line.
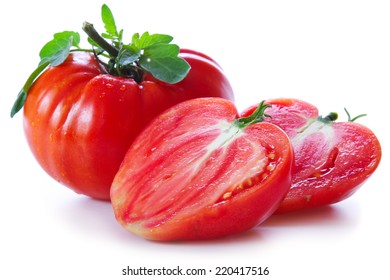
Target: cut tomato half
<point x="199" y="172"/>
<point x="332" y="159"/>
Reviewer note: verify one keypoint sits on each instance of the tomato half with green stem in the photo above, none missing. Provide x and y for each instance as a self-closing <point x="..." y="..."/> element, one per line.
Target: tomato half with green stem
<point x="332" y="159"/>
<point x="199" y="172"/>
<point x="83" y="111"/>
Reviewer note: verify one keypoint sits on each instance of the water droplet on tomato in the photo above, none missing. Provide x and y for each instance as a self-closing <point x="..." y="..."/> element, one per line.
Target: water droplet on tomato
<point x="122" y="88"/>
<point x="109" y="85"/>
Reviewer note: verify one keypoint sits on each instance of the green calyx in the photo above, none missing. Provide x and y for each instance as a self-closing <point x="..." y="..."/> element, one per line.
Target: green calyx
<point x="355" y="118"/>
<point x="151" y="53"/>
<point x="257" y="116"/>
<point x="332" y="117"/>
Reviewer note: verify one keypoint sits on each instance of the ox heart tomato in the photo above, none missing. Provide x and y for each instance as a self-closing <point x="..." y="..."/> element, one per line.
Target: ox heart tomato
<point x="198" y="172"/>
<point x="332" y="159"/>
<point x="82" y="112"/>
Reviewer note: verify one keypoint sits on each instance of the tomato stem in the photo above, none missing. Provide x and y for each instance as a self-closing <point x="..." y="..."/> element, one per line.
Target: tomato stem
<point x="355" y="118"/>
<point x="95" y="36"/>
<point x="114" y="66"/>
<point x="257" y="116"/>
<point x="331" y="117"/>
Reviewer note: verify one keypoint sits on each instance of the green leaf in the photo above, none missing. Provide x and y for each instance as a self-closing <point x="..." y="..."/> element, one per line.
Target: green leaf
<point x="109" y="21"/>
<point x="168" y="69"/>
<point x="161" y="50"/>
<point x="160" y="58"/>
<point x="134" y="40"/>
<point x="120" y="36"/>
<point x="53" y="53"/>
<point x="57" y="50"/>
<point x="75" y="37"/>
<point x="147" y="40"/>
<point x="128" y="55"/>
<point x="19" y="103"/>
<point x="23" y="93"/>
<point x="108" y="36"/>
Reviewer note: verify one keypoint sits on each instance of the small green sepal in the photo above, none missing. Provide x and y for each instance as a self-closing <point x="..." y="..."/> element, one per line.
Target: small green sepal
<point x="355" y="118"/>
<point x="257" y="116"/>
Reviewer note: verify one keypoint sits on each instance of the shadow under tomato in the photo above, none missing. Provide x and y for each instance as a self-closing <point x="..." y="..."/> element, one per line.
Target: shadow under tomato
<point x="90" y="216"/>
<point x="329" y="215"/>
<point x="97" y="218"/>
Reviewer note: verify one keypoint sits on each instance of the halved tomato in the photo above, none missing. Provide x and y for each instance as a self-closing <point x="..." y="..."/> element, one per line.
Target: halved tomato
<point x="199" y="172"/>
<point x="332" y="159"/>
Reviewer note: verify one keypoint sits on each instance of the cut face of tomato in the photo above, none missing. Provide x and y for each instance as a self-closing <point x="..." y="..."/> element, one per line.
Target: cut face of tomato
<point x="194" y="174"/>
<point x="332" y="159"/>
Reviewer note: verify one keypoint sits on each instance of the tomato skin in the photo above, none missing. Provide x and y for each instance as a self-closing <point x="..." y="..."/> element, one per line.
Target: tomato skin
<point x="176" y="194"/>
<point x="79" y="121"/>
<point x="332" y="160"/>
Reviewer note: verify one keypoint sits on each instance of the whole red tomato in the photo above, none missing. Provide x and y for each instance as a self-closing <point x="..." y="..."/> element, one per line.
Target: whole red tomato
<point x="332" y="159"/>
<point x="80" y="121"/>
<point x="208" y="173"/>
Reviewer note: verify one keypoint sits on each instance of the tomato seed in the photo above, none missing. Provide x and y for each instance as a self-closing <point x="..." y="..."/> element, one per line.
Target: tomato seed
<point x="227" y="195"/>
<point x="271" y="156"/>
<point x="270" y="166"/>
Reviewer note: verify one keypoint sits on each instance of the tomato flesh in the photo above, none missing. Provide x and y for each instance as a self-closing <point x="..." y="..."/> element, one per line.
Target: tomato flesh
<point x="331" y="165"/>
<point x="204" y="177"/>
<point x="332" y="159"/>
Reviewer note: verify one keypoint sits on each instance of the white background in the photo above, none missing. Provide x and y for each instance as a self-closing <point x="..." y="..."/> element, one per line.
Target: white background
<point x="334" y="54"/>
